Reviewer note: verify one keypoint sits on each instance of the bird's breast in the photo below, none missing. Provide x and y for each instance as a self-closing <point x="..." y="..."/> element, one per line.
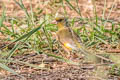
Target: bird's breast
<point x="66" y="39"/>
<point x="70" y="46"/>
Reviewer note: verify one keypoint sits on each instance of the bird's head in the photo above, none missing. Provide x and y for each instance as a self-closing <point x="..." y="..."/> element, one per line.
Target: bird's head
<point x="62" y="22"/>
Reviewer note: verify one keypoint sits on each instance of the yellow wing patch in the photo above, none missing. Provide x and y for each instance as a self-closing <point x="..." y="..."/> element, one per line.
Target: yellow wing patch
<point x="69" y="46"/>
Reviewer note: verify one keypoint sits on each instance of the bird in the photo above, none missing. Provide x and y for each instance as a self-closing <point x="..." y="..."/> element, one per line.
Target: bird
<point x="66" y="36"/>
<point x="70" y="41"/>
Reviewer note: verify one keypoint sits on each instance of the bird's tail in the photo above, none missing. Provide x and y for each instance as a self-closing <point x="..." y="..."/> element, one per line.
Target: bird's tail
<point x="92" y="56"/>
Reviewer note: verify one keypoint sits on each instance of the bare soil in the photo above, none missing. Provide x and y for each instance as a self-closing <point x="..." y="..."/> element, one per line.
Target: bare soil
<point x="57" y="70"/>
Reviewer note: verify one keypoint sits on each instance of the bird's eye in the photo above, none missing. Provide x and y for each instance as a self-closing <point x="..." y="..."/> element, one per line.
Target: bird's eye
<point x="59" y="20"/>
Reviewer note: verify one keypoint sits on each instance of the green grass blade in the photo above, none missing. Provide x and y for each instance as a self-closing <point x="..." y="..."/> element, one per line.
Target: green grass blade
<point x="7" y="68"/>
<point x="62" y="59"/>
<point x="48" y="38"/>
<point x="30" y="33"/>
<point x="2" y="18"/>
<point x="110" y="12"/>
<point x="22" y="7"/>
<point x="21" y="62"/>
<point x="13" y="50"/>
<point x="73" y="7"/>
<point x="101" y="40"/>
<point x="103" y="14"/>
<point x="94" y="8"/>
<point x="31" y="65"/>
<point x="3" y="66"/>
<point x="27" y="35"/>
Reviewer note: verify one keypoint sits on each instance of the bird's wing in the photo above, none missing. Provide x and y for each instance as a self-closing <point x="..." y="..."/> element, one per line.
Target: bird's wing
<point x="75" y="36"/>
<point x="65" y="38"/>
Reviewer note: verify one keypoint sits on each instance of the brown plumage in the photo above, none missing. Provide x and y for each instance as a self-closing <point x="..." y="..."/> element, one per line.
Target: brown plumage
<point x="67" y="37"/>
<point x="70" y="41"/>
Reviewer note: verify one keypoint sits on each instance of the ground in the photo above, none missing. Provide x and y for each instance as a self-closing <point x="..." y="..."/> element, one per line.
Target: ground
<point x="52" y="68"/>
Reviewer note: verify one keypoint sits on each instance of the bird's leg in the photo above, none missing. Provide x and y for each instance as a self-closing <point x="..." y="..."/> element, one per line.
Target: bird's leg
<point x="67" y="51"/>
<point x="76" y="54"/>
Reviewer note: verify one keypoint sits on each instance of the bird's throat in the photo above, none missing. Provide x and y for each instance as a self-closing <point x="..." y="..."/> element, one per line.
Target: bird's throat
<point x="60" y="25"/>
